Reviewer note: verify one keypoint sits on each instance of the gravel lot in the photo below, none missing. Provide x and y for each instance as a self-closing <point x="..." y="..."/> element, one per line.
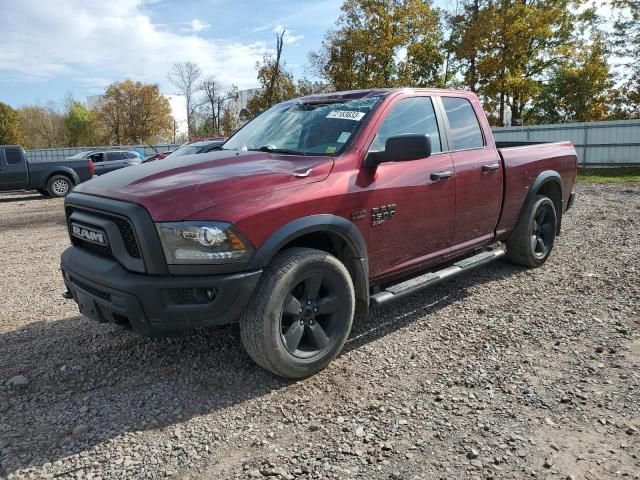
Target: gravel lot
<point x="505" y="373"/>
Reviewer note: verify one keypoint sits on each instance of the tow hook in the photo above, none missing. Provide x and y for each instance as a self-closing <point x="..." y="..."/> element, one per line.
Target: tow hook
<point x="67" y="295"/>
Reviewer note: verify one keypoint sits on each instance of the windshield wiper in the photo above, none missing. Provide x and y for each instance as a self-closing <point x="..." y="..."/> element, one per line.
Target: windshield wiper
<point x="267" y="148"/>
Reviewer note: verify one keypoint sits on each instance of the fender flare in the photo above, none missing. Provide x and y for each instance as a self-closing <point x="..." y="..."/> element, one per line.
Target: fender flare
<point x="62" y="170"/>
<point x="340" y="226"/>
<point x="545" y="177"/>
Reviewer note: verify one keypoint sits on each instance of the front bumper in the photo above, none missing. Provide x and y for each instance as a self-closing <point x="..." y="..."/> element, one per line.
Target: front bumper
<point x="153" y="304"/>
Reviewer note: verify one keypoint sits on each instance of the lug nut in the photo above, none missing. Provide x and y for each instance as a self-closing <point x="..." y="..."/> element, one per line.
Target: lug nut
<point x="300" y="311"/>
<point x="308" y="302"/>
<point x="301" y="322"/>
<point x="315" y="309"/>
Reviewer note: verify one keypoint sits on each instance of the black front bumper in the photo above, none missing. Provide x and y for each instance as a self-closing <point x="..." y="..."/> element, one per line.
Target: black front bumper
<point x="153" y="304"/>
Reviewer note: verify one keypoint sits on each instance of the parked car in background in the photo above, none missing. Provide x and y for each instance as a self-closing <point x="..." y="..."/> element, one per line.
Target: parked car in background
<point x="49" y="178"/>
<point x="157" y="156"/>
<point x="197" y="146"/>
<point x="109" y="160"/>
<point x="318" y="205"/>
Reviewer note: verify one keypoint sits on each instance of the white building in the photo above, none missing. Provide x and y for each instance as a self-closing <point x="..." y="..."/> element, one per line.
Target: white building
<point x="243" y="98"/>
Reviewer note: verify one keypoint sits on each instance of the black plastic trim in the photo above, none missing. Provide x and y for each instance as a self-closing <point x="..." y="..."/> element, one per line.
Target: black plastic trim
<point x="144" y="301"/>
<point x="320" y="223"/>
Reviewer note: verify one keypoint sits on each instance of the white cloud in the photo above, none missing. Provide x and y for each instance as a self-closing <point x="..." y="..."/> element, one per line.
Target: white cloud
<point x="115" y="39"/>
<point x="196" y="26"/>
<point x="289" y="37"/>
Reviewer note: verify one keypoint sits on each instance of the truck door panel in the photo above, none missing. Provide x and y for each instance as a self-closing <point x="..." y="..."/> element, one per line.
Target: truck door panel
<point x="14" y="173"/>
<point x="410" y="214"/>
<point x="479" y="175"/>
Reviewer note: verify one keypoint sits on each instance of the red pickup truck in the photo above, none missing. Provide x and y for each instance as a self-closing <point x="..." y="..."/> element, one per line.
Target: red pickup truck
<point x="318" y="206"/>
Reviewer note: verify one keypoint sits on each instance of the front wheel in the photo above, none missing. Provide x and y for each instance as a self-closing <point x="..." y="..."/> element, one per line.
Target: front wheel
<point x="532" y="241"/>
<point x="301" y="313"/>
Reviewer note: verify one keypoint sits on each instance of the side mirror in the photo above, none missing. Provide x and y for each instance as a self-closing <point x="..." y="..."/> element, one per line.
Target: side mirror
<point x="401" y="148"/>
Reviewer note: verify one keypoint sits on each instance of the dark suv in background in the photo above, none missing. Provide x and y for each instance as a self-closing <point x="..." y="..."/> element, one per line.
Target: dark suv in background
<point x="106" y="161"/>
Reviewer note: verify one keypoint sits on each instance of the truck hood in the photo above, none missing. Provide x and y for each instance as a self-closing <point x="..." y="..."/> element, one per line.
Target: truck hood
<point x="174" y="189"/>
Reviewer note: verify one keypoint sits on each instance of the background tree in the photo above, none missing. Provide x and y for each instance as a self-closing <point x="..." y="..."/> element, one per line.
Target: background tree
<point x="134" y="112"/>
<point x="627" y="46"/>
<point x="216" y="97"/>
<point x="579" y="89"/>
<point x="79" y="123"/>
<point x="10" y="131"/>
<point x="42" y="125"/>
<point x="229" y="120"/>
<point x="381" y="43"/>
<point x="184" y="76"/>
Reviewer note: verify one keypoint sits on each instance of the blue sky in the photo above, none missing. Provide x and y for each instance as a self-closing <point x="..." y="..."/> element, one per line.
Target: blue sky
<point x="48" y="48"/>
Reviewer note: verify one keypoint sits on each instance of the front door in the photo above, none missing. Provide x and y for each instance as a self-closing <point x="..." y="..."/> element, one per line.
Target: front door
<point x="13" y="169"/>
<point x="411" y="211"/>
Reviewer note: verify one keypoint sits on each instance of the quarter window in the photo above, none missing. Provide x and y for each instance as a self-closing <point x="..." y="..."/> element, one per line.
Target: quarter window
<point x="409" y="115"/>
<point x="465" y="129"/>
<point x="12" y="155"/>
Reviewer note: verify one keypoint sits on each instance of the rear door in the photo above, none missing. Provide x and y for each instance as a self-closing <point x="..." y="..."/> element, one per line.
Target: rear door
<point x="14" y="174"/>
<point x="410" y="210"/>
<point x="114" y="161"/>
<point x="478" y="173"/>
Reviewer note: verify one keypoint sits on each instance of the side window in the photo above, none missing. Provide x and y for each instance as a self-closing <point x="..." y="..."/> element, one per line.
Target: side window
<point x="111" y="156"/>
<point x="97" y="157"/>
<point x="465" y="129"/>
<point x="409" y="115"/>
<point x="12" y="156"/>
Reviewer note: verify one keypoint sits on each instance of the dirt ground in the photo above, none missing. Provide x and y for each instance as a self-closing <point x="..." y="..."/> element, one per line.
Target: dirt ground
<point x="505" y="373"/>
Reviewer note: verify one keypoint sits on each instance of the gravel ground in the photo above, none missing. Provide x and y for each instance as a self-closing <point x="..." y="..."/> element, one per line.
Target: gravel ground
<point x="505" y="373"/>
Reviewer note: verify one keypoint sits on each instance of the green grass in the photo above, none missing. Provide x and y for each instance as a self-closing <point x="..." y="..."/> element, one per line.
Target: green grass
<point x="625" y="175"/>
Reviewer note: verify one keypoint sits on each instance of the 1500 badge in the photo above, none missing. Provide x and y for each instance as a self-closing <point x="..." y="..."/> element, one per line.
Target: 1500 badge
<point x="382" y="214"/>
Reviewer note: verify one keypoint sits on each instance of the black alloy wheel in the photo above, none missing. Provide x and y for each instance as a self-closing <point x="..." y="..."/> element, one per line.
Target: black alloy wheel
<point x="311" y="322"/>
<point x="543" y="230"/>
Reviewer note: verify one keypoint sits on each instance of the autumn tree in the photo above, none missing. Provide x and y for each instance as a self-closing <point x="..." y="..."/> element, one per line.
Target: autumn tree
<point x="185" y="77"/>
<point x="43" y="126"/>
<point x="134" y="112"/>
<point x="381" y="43"/>
<point x="10" y="131"/>
<point x="579" y="89"/>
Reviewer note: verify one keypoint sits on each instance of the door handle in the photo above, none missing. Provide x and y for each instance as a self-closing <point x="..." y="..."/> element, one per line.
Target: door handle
<point x="491" y="167"/>
<point x="441" y="175"/>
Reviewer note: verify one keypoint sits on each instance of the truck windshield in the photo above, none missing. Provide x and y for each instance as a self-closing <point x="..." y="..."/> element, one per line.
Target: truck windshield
<point x="299" y="128"/>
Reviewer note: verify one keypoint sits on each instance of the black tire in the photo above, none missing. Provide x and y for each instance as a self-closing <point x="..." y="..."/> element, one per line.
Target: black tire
<point x="43" y="192"/>
<point x="532" y="241"/>
<point x="301" y="313"/>
<point x="59" y="186"/>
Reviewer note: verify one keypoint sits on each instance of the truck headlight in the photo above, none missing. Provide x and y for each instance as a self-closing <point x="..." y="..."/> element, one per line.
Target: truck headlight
<point x="203" y="242"/>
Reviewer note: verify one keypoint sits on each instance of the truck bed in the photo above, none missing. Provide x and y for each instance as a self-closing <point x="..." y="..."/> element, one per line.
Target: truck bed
<point x="523" y="162"/>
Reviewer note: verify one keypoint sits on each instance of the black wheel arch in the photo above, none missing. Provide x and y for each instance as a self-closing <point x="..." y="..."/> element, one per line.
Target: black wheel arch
<point x="64" y="171"/>
<point x="328" y="232"/>
<point x="549" y="184"/>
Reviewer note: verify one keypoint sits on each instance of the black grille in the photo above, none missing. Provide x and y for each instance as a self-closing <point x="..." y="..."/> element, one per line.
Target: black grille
<point x="130" y="241"/>
<point x="126" y="230"/>
<point x="92" y="290"/>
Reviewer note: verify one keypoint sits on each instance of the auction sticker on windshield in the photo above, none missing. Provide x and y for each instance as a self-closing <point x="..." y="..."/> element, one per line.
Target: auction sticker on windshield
<point x="346" y="115"/>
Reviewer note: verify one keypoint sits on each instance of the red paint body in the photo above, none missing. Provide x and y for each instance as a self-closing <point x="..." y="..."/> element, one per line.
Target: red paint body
<point x="434" y="220"/>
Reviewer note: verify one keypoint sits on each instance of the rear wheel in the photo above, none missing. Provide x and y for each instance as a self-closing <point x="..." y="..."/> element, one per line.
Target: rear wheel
<point x="532" y="241"/>
<point x="59" y="186"/>
<point x="301" y="313"/>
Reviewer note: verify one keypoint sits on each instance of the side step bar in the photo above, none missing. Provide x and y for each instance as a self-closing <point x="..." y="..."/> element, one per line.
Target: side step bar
<point x="400" y="290"/>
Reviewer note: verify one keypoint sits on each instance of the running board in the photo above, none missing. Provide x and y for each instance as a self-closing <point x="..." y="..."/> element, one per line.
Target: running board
<point x="400" y="290"/>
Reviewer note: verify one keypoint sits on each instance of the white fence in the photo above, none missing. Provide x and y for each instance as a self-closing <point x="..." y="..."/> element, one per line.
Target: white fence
<point x="57" y="154"/>
<point x="599" y="144"/>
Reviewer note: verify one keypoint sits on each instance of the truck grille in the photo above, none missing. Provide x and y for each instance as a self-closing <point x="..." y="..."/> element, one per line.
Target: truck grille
<point x="124" y="226"/>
